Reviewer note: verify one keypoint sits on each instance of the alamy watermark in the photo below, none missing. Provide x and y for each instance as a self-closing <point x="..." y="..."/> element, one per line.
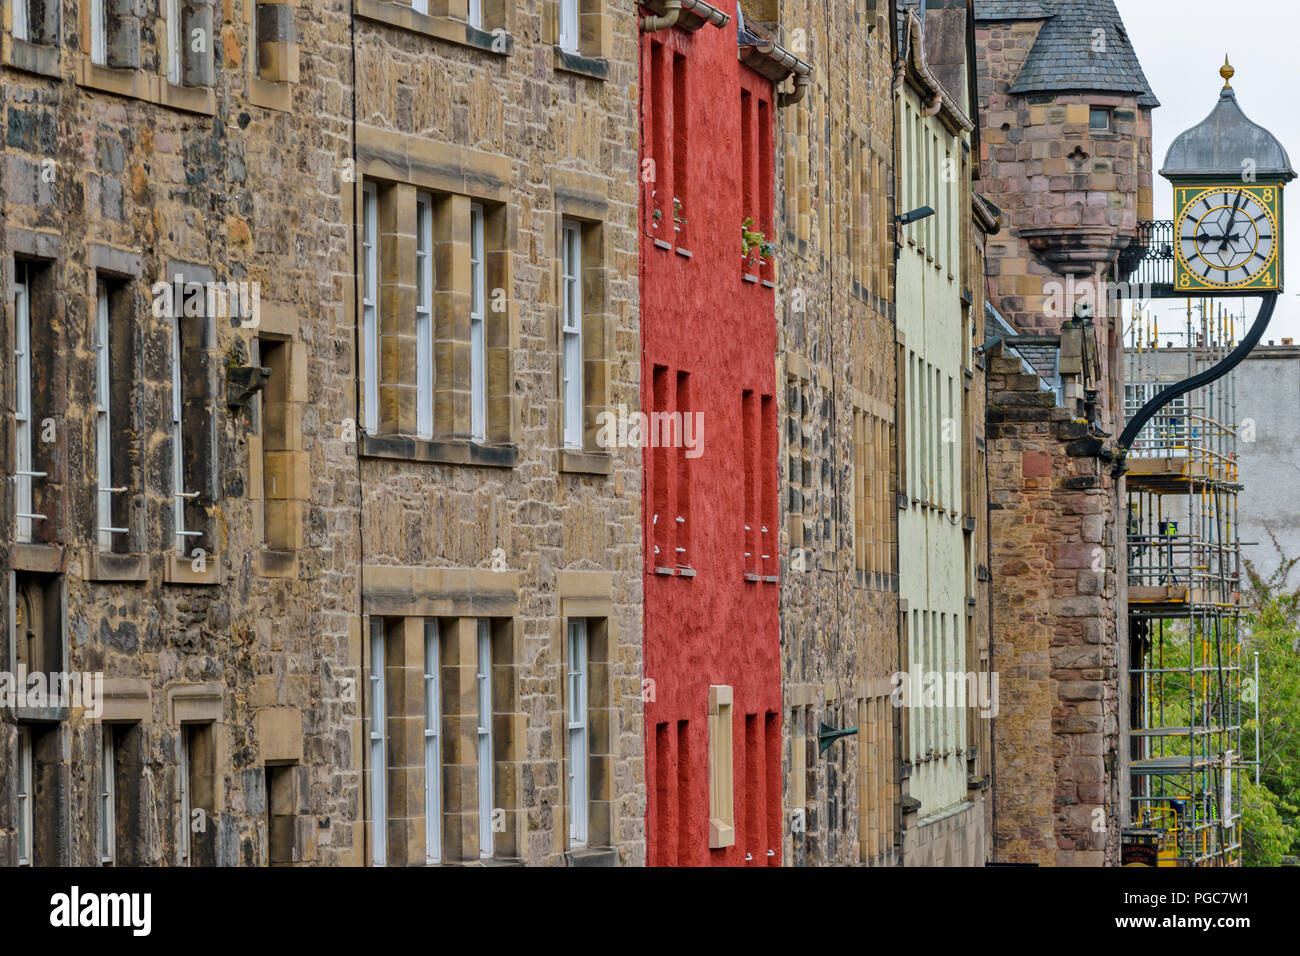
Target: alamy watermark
<point x="241" y="302"/>
<point x="40" y="689"/>
<point x="624" y="429"/>
<point x="952" y="689"/>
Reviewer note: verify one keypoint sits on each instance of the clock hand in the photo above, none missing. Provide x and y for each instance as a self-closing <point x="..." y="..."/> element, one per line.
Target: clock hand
<point x="1231" y="222"/>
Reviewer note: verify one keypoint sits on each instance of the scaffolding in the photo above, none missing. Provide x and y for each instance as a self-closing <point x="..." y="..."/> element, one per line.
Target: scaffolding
<point x="1184" y="593"/>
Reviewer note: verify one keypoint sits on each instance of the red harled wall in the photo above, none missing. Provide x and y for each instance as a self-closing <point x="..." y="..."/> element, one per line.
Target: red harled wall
<point x="708" y="346"/>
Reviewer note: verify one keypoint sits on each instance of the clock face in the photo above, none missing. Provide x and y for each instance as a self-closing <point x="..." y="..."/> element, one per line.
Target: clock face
<point x="1227" y="237"/>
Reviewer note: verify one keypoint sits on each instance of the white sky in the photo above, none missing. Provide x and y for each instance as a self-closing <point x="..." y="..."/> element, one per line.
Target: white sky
<point x="1181" y="44"/>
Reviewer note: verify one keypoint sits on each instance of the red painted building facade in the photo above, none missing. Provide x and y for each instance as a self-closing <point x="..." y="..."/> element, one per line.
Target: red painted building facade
<point x="712" y="645"/>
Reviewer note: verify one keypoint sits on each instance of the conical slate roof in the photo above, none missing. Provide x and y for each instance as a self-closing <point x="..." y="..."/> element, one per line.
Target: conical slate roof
<point x="1011" y="10"/>
<point x="1083" y="47"/>
<point x="1222" y="142"/>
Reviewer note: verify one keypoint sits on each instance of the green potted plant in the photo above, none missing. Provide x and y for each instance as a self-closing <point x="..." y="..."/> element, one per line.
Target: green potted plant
<point x="753" y="240"/>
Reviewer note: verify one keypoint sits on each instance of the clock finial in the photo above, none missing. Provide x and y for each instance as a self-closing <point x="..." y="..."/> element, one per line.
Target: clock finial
<point x="1227" y="72"/>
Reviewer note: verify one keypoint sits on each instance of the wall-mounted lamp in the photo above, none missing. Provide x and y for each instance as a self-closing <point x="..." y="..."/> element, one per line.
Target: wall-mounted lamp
<point x="916" y="215"/>
<point x="906" y="219"/>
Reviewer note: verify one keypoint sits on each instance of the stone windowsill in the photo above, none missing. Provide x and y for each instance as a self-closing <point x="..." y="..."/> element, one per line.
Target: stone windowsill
<point x="42" y="558"/>
<point x="273" y="563"/>
<point x="592" y="67"/>
<point x="146" y="86"/>
<point x="448" y="29"/>
<point x="113" y="566"/>
<point x="35" y="715"/>
<point x="181" y="570"/>
<point x="586" y="462"/>
<point x="270" y="94"/>
<point x="448" y="452"/>
<point x="192" y="99"/>
<point x="675" y="572"/>
<point x="132" y="83"/>
<point x="593" y="856"/>
<point x="36" y="58"/>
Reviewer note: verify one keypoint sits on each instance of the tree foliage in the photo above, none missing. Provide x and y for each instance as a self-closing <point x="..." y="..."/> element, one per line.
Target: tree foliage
<point x="1272" y="625"/>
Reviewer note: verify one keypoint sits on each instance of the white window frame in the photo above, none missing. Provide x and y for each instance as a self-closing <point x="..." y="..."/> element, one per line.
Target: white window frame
<point x="424" y="369"/>
<point x="569" y="27"/>
<point x="175" y="40"/>
<point x="579" y="742"/>
<point x="20" y="29"/>
<point x="571" y="307"/>
<point x="23" y="473"/>
<point x="179" y="494"/>
<point x="370" y="303"/>
<point x="486" y="796"/>
<point x="474" y="17"/>
<point x="107" y="796"/>
<point x="477" y="330"/>
<point x="99" y="32"/>
<point x="184" y="842"/>
<point x="420" y="6"/>
<point x="432" y="742"/>
<point x="104" y="425"/>
<point x="24" y="796"/>
<point x="378" y="747"/>
<point x="254" y="58"/>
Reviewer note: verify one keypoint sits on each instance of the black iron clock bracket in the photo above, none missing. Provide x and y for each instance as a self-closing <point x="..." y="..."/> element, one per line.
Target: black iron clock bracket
<point x="1234" y="358"/>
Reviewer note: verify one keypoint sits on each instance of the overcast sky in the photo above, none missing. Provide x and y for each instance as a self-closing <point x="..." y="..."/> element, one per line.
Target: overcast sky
<point x="1181" y="44"/>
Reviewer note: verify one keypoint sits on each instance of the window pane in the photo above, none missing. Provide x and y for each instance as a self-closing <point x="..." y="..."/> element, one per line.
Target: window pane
<point x="98" y="30"/>
<point x="432" y="753"/>
<point x="378" y="751"/>
<point x="485" y="795"/>
<point x="173" y="41"/>
<point x="478" y="343"/>
<point x="569" y="25"/>
<point x="424" y="317"/>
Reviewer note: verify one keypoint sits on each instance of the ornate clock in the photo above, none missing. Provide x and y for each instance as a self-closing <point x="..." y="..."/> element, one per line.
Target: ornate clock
<point x="1228" y="174"/>
<point x="1228" y="237"/>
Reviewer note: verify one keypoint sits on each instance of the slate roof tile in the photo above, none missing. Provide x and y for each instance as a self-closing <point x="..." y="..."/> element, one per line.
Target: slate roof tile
<point x="1083" y="47"/>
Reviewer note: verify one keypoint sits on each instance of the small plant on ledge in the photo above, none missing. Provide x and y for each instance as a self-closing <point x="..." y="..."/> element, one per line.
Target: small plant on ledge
<point x="678" y="219"/>
<point x="752" y="240"/>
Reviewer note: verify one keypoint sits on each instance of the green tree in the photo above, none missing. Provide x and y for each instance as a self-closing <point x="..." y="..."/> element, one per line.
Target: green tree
<point x="1266" y="837"/>
<point x="1273" y="632"/>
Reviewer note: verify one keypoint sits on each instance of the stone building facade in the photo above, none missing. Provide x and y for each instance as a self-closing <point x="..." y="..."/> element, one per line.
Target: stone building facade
<point x="262" y="528"/>
<point x="835" y="397"/>
<point x="168" y="525"/>
<point x="1066" y="115"/>
<point x="947" y="695"/>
